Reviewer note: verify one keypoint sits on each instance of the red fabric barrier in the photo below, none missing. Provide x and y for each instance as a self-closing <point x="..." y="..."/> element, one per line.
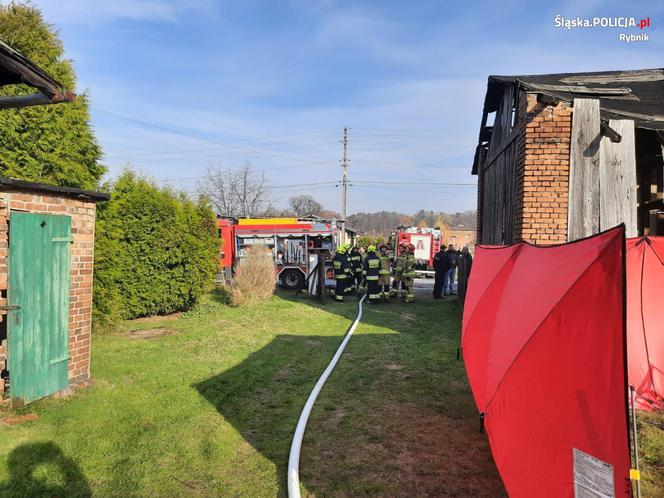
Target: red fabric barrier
<point x="645" y="320"/>
<point x="544" y="345"/>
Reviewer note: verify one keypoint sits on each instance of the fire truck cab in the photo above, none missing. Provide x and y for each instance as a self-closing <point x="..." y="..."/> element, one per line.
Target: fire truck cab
<point x="291" y="240"/>
<point x="427" y="242"/>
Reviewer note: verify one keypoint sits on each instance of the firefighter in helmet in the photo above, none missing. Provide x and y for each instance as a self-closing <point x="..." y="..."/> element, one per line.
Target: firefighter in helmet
<point x="385" y="271"/>
<point x="408" y="275"/>
<point x="341" y="273"/>
<point x="398" y="269"/>
<point x="350" y="282"/>
<point x="372" y="274"/>
<point x="355" y="266"/>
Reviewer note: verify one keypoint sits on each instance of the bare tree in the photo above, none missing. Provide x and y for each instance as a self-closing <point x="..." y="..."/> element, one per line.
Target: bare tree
<point x="304" y="205"/>
<point x="235" y="191"/>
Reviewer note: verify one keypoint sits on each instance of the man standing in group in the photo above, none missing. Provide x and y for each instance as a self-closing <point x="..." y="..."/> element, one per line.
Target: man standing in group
<point x="398" y="270"/>
<point x="355" y="266"/>
<point x="465" y="265"/>
<point x="341" y="273"/>
<point x="372" y="274"/>
<point x="408" y="276"/>
<point x="385" y="271"/>
<point x="451" y="260"/>
<point x="439" y="261"/>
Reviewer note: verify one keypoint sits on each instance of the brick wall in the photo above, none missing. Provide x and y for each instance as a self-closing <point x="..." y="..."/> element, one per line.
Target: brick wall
<point x="82" y="256"/>
<point x="543" y="172"/>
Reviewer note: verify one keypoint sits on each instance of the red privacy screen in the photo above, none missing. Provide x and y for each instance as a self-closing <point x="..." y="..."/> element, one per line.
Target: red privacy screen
<point x="543" y="341"/>
<point x="645" y="320"/>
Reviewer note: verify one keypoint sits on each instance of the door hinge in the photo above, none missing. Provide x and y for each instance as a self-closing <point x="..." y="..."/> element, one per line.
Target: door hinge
<point x="10" y="307"/>
<point x="59" y="360"/>
<point x="63" y="239"/>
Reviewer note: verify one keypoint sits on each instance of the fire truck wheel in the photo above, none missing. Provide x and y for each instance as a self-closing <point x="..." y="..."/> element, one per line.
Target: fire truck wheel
<point x="292" y="279"/>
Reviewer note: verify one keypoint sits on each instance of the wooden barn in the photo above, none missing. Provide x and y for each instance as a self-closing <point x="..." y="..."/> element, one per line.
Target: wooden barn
<point x="46" y="261"/>
<point x="563" y="156"/>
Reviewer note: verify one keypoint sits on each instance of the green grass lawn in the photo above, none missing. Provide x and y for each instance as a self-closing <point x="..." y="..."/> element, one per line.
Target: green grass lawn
<point x="209" y="409"/>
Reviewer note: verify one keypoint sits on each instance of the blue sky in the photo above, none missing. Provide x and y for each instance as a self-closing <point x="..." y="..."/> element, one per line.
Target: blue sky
<point x="273" y="83"/>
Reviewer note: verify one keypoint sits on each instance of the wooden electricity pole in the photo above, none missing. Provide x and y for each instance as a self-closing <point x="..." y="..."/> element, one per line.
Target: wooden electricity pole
<point x="344" y="187"/>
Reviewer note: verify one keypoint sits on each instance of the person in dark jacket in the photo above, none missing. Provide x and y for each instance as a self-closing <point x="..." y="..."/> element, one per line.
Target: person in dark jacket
<point x="465" y="265"/>
<point x="372" y="274"/>
<point x="451" y="260"/>
<point x="355" y="265"/>
<point x="439" y="268"/>
<point x="341" y="273"/>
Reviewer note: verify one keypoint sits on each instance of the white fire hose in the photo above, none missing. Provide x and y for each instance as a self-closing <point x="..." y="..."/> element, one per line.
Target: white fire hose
<point x="296" y="445"/>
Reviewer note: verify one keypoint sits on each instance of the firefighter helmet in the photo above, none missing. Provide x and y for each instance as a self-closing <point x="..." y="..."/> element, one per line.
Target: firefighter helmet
<point x="341" y="249"/>
<point x="411" y="248"/>
<point x="382" y="245"/>
<point x="371" y="248"/>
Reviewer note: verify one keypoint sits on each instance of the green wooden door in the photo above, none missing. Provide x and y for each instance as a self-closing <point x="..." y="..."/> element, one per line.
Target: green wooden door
<point x="38" y="331"/>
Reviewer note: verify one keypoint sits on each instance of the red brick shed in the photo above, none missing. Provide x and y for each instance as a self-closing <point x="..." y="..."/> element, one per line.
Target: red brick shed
<point x="46" y="269"/>
<point x="46" y="261"/>
<point x="563" y="156"/>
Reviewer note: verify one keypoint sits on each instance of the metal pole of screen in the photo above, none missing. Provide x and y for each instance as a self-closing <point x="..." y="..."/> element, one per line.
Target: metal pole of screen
<point x="636" y="446"/>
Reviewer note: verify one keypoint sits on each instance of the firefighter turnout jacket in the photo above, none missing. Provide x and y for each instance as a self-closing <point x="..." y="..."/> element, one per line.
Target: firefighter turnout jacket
<point x="340" y="266"/>
<point x="355" y="262"/>
<point x="372" y="267"/>
<point x="408" y="269"/>
<point x="371" y="274"/>
<point x="385" y="267"/>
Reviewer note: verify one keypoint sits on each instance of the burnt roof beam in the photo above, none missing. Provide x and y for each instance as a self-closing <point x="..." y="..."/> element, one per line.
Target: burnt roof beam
<point x="609" y="132"/>
<point x="41" y="98"/>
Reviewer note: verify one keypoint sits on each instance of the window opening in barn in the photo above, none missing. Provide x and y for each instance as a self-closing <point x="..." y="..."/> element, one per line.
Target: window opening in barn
<point x="650" y="179"/>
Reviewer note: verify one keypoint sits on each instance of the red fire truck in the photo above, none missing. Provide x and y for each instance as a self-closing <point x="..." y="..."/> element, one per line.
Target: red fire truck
<point x="427" y="242"/>
<point x="290" y="239"/>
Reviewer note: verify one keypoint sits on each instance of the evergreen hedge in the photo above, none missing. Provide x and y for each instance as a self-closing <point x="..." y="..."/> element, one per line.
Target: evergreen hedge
<point x="155" y="251"/>
<point x="47" y="143"/>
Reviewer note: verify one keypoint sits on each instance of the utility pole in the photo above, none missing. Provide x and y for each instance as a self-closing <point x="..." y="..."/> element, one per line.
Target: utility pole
<point x="344" y="187"/>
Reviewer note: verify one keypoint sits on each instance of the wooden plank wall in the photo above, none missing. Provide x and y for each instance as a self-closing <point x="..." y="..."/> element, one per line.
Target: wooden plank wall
<point x="602" y="176"/>
<point x="499" y="174"/>
<point x="583" y="207"/>
<point x="617" y="179"/>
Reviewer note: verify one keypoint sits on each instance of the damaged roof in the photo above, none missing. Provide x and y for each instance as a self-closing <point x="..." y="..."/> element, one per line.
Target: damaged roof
<point x="637" y="94"/>
<point x="15" y="69"/>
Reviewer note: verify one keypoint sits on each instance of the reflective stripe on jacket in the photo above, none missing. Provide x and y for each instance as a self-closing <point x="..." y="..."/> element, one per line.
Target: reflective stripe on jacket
<point x="409" y="266"/>
<point x="385" y="264"/>
<point x="372" y="267"/>
<point x="340" y="266"/>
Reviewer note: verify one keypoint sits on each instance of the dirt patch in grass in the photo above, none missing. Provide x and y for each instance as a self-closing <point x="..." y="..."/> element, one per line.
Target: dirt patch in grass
<point x="437" y="456"/>
<point x="148" y="333"/>
<point x="158" y="318"/>
<point x="408" y="316"/>
<point x="421" y="453"/>
<point x="14" y="419"/>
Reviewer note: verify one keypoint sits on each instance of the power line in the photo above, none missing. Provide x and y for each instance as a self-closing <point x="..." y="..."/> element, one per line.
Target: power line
<point x="218" y="142"/>
<point x="442" y="184"/>
<point x="416" y="165"/>
<point x="184" y="148"/>
<point x="409" y="130"/>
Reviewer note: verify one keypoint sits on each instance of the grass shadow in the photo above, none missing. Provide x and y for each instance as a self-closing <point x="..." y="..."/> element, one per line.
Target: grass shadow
<point x="367" y="418"/>
<point x="220" y="295"/>
<point x="34" y="467"/>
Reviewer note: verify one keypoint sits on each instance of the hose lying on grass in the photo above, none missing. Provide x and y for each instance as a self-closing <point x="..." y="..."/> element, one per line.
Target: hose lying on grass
<point x="296" y="445"/>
